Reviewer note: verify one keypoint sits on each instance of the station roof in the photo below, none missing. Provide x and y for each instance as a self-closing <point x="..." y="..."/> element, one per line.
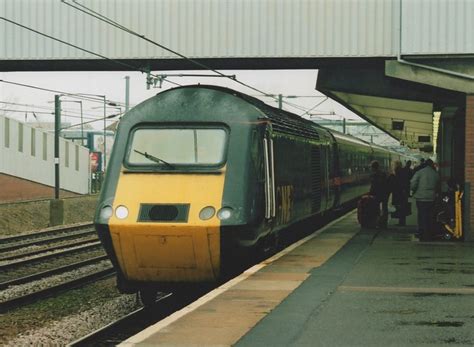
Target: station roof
<point x="402" y="108"/>
<point x="407" y="121"/>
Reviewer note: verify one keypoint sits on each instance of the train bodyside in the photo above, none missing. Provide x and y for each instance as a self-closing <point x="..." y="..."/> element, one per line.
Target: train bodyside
<point x="149" y="212"/>
<point x="259" y="168"/>
<point x="163" y="238"/>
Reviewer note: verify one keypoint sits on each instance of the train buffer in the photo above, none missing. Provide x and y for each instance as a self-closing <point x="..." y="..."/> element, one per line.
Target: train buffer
<point x="345" y="286"/>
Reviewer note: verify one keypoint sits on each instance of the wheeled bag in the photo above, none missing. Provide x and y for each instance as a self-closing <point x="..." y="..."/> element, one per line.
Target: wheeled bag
<point x="368" y="211"/>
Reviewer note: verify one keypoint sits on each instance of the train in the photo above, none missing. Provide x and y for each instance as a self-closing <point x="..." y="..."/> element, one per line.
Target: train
<point x="201" y="176"/>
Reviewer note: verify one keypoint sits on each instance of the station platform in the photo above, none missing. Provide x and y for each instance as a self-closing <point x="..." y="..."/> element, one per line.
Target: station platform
<point x="341" y="286"/>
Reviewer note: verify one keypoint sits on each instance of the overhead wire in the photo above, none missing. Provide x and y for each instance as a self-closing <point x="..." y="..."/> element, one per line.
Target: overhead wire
<point x="48" y="113"/>
<point x="95" y="120"/>
<point x="84" y="9"/>
<point x="72" y="95"/>
<point x="80" y="48"/>
<point x="316" y="105"/>
<point x="109" y="21"/>
<point x="42" y="108"/>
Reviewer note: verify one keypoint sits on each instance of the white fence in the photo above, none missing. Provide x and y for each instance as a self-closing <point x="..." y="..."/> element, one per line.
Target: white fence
<point x="28" y="153"/>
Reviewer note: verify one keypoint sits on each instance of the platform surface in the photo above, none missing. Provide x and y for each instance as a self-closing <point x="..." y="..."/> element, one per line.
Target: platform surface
<point x="345" y="286"/>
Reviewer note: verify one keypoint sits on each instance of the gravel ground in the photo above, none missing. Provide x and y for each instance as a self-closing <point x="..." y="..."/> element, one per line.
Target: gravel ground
<point x="51" y="263"/>
<point x="34" y="248"/>
<point x="35" y="234"/>
<point x="74" y="327"/>
<point x="63" y="319"/>
<point x="31" y="287"/>
<point x="33" y="215"/>
<point x="38" y="237"/>
<point x="58" y="251"/>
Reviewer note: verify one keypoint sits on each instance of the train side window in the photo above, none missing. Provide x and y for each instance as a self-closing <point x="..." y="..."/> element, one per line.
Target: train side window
<point x="270" y="197"/>
<point x="256" y="148"/>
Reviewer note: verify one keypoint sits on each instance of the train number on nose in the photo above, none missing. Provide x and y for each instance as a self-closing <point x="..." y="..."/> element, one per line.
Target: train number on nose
<point x="285" y="203"/>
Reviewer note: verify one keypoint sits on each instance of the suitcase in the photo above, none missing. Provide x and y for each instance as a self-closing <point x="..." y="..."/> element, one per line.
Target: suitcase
<point x="368" y="211"/>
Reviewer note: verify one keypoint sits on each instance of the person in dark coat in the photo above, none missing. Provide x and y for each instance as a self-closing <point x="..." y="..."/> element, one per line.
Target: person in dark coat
<point x="422" y="165"/>
<point x="379" y="189"/>
<point x="399" y="183"/>
<point x="408" y="173"/>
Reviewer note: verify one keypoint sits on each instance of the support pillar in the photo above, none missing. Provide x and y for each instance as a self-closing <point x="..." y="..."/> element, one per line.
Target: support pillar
<point x="445" y="146"/>
<point x="56" y="212"/>
<point x="468" y="209"/>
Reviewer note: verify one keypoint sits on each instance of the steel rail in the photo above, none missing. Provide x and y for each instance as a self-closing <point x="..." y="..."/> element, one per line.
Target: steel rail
<point x="44" y="233"/>
<point x="48" y="256"/>
<point x="48" y="249"/>
<point x="47" y="292"/>
<point x="133" y="322"/>
<point x="45" y="241"/>
<point x="101" y="333"/>
<point x="136" y="321"/>
<point x="47" y="273"/>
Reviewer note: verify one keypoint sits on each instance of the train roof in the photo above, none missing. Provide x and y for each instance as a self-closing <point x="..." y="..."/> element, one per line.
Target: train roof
<point x="285" y="121"/>
<point x="281" y="120"/>
<point x="349" y="138"/>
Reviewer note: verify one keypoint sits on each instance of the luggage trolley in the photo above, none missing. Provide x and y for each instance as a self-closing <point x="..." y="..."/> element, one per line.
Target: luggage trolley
<point x="450" y="217"/>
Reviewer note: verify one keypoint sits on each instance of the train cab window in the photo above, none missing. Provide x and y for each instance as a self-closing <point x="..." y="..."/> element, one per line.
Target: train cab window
<point x="171" y="147"/>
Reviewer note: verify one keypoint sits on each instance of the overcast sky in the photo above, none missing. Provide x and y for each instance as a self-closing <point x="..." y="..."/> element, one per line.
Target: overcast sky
<point x="300" y="83"/>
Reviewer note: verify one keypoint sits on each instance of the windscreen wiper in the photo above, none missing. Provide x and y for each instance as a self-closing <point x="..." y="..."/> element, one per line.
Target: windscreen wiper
<point x="155" y="159"/>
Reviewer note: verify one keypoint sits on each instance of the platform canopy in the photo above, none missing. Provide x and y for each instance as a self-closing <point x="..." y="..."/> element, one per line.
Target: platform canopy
<point x="403" y="108"/>
<point x="410" y="122"/>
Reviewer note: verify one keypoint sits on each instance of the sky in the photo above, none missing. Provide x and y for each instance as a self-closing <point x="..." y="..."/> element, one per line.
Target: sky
<point x="297" y="87"/>
<point x="299" y="83"/>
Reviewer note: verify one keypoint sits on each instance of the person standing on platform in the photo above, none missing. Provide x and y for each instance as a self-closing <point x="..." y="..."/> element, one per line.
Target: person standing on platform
<point x="379" y="189"/>
<point x="419" y="166"/>
<point x="408" y="173"/>
<point x="400" y="188"/>
<point x="425" y="185"/>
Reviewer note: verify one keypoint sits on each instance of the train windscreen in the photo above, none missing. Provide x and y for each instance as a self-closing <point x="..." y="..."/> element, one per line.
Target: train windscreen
<point x="169" y="147"/>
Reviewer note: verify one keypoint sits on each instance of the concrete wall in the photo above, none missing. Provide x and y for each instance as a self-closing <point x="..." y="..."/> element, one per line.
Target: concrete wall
<point x="28" y="153"/>
<point x="15" y="189"/>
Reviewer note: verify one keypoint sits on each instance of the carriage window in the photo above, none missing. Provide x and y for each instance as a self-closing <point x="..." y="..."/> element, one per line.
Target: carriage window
<point x="168" y="147"/>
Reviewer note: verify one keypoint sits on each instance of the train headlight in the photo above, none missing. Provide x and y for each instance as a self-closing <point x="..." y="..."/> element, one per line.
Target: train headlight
<point x="207" y="213"/>
<point x="106" y="212"/>
<point x="224" y="213"/>
<point x="121" y="212"/>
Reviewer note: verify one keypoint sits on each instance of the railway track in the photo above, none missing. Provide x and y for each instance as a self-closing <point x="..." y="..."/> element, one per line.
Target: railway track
<point x="36" y="243"/>
<point x="21" y="300"/>
<point x="60" y="252"/>
<point x="28" y="274"/>
<point x="28" y="242"/>
<point x="136" y="321"/>
<point x="29" y="253"/>
<point x="38" y="235"/>
<point x="46" y="273"/>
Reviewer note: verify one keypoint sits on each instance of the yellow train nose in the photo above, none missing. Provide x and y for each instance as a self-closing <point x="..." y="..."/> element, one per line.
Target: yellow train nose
<point x="171" y="253"/>
<point x="162" y="238"/>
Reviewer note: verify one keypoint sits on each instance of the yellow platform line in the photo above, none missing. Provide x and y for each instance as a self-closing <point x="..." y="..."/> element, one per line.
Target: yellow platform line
<point x="231" y="310"/>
